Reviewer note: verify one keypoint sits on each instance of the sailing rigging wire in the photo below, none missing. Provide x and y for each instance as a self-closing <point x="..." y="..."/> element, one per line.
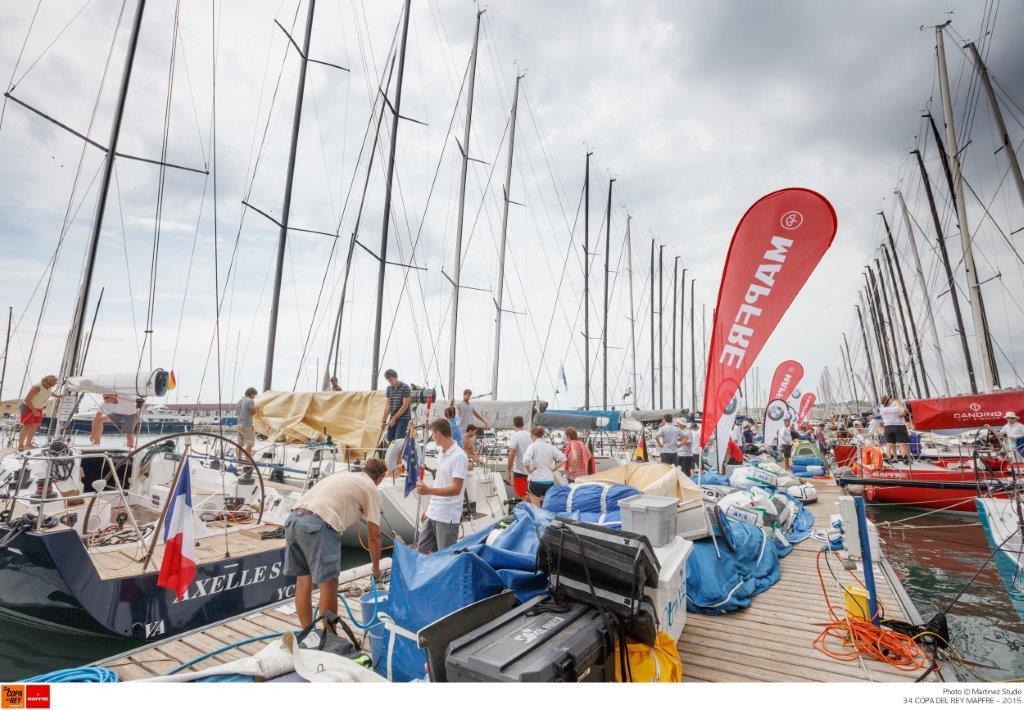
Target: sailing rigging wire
<point x="17" y="61"/>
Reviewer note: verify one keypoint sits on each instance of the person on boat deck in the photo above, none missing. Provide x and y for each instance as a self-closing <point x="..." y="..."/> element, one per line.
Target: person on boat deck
<point x="737" y="432"/>
<point x="469" y="446"/>
<point x="784" y="441"/>
<point x="32" y="410"/>
<point x="246" y="433"/>
<point x="542" y="460"/>
<point x="312" y="533"/>
<point x="897" y="436"/>
<point x="1013" y="433"/>
<point x="444" y="512"/>
<point x="396" y="413"/>
<point x="684" y="453"/>
<point x="667" y="437"/>
<point x="578" y="458"/>
<point x="467" y="412"/>
<point x="453" y="421"/>
<point x="334" y="386"/>
<point x="122" y="412"/>
<point x="695" y="443"/>
<point x="517" y="445"/>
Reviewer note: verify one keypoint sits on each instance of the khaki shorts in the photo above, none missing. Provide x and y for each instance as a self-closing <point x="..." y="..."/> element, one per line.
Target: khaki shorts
<point x="246" y="435"/>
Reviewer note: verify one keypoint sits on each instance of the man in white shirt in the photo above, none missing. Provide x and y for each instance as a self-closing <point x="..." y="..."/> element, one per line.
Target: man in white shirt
<point x="541" y="461"/>
<point x="517" y="445"/>
<point x="784" y="440"/>
<point x="122" y="412"/>
<point x="1013" y="433"/>
<point x="668" y="439"/>
<point x="444" y="512"/>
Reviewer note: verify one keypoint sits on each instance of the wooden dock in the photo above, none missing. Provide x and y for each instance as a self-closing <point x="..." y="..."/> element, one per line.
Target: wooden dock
<point x="771" y="641"/>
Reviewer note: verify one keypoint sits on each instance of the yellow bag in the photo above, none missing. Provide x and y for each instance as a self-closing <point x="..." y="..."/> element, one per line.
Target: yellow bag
<point x="659" y="663"/>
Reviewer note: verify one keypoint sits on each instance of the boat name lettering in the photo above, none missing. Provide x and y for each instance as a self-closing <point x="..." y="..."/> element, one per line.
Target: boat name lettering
<point x="762" y="283"/>
<point x="232" y="580"/>
<point x="155" y="628"/>
<point x="977" y="415"/>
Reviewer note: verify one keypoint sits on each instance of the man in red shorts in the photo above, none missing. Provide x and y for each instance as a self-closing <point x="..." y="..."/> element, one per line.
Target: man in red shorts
<point x="517" y="445"/>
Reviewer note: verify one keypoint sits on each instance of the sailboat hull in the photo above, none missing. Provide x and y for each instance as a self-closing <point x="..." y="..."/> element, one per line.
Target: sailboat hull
<point x="48" y="579"/>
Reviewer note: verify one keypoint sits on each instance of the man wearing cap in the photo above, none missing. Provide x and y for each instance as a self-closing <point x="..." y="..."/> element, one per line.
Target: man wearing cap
<point x="1013" y="432"/>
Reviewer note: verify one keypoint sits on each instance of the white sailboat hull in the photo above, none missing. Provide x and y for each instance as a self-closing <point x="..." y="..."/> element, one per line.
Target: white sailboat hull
<point x="999" y="515"/>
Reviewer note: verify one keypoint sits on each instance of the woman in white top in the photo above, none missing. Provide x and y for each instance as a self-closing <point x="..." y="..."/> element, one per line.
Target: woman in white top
<point x="542" y="458"/>
<point x="895" y="432"/>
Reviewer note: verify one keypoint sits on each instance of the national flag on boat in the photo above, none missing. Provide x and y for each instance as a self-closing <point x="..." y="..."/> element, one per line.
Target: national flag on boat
<point x="412" y="464"/>
<point x="178" y="568"/>
<point x="641" y="449"/>
<point x="171" y="381"/>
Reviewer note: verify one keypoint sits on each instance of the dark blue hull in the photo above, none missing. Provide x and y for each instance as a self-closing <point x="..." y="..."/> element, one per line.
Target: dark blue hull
<point x="48" y="578"/>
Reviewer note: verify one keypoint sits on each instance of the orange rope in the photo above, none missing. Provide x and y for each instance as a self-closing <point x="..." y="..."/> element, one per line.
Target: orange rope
<point x="856" y="638"/>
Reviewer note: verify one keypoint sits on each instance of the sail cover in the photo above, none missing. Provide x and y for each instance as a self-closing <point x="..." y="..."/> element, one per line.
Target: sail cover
<point x="352" y="419"/>
<point x="953" y="414"/>
<point x="580" y="422"/>
<point x="498" y="413"/>
<point x="614" y="417"/>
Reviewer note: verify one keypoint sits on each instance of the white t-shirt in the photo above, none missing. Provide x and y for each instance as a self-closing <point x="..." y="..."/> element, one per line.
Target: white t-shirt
<point x="542" y="456"/>
<point x="784" y="436"/>
<point x="695" y="436"/>
<point x="124" y="405"/>
<point x="737" y="433"/>
<point x="669" y="434"/>
<point x="892" y="416"/>
<point x="519" y="442"/>
<point x="451" y="464"/>
<point x="1012" y="431"/>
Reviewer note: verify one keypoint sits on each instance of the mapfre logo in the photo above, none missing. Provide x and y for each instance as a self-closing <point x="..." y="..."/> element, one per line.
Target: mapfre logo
<point x="37" y="696"/>
<point x="12" y="696"/>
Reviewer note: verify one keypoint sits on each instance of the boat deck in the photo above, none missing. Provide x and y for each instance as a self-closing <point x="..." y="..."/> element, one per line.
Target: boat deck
<point x="771" y="641"/>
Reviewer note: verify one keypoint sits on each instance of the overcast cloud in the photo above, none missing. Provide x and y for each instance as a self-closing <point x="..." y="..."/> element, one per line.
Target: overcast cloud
<point x="697" y="109"/>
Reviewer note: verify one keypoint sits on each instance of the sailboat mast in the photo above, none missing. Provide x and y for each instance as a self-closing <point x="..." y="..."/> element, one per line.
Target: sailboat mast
<point x="903" y="320"/>
<point x="888" y="379"/>
<point x="654" y="403"/>
<point x="498" y="303"/>
<point x="693" y="358"/>
<point x="661" y="338"/>
<point x="7" y="349"/>
<point x="997" y="116"/>
<point x="929" y="314"/>
<point x="74" y="346"/>
<point x="286" y="206"/>
<point x="586" y="284"/>
<point x="386" y="219"/>
<point x="457" y="269"/>
<point x="682" y="339"/>
<point x="632" y="311"/>
<point x="604" y="328"/>
<point x="940" y="239"/>
<point x="990" y="372"/>
<point x="675" y="302"/>
<point x="898" y="268"/>
<point x="885" y="317"/>
<point x="867" y="352"/>
<point x="849" y="369"/>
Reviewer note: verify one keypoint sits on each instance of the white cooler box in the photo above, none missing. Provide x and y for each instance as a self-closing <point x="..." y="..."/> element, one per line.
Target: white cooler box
<point x="669" y="598"/>
<point x="692" y="520"/>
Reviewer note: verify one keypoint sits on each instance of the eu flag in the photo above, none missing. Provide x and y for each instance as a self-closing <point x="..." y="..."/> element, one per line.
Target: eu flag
<point x="412" y="466"/>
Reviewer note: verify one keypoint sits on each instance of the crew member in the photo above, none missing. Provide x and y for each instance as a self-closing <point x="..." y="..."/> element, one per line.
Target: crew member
<point x="467" y="413"/>
<point x="1013" y="433"/>
<point x="122" y="412"/>
<point x="246" y="433"/>
<point x="441" y="521"/>
<point x="32" y="410"/>
<point x="667" y="438"/>
<point x="313" y="532"/>
<point x="517" y="445"/>
<point x="395" y="420"/>
<point x="542" y="460"/>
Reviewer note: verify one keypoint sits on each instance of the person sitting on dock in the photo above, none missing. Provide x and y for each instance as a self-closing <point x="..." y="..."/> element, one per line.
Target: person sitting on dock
<point x="246" y="433"/>
<point x="313" y="530"/>
<point x="469" y="446"/>
<point x="542" y="460"/>
<point x="444" y="512"/>
<point x="32" y="410"/>
<point x="395" y="421"/>
<point x="122" y="412"/>
<point x="1013" y="433"/>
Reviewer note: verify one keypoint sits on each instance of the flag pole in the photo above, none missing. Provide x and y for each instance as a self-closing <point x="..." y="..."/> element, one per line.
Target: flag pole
<point x="419" y="498"/>
<point x="167" y="503"/>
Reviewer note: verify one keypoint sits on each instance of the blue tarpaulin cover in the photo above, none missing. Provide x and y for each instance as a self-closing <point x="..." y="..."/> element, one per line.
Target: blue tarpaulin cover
<point x="719" y="581"/>
<point x="614" y="417"/>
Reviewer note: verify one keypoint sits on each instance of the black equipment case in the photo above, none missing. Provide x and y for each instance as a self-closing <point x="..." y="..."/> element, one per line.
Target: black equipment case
<point x="539" y="641"/>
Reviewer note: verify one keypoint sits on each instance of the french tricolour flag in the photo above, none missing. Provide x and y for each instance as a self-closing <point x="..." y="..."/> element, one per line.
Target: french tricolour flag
<point x="178" y="568"/>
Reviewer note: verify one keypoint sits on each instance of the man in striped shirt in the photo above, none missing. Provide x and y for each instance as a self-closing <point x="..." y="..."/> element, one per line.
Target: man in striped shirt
<point x="396" y="413"/>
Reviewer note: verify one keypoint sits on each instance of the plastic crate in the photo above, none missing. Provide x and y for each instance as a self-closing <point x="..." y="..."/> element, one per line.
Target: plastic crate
<point x="652" y="516"/>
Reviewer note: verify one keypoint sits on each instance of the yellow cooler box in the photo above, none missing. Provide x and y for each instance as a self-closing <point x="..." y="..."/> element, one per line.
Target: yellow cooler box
<point x="669" y="598"/>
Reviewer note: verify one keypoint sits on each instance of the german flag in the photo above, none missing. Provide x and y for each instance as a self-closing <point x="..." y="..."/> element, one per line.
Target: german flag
<point x="641" y="449"/>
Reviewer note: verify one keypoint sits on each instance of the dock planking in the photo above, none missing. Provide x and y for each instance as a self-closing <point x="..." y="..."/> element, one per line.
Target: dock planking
<point x="769" y="642"/>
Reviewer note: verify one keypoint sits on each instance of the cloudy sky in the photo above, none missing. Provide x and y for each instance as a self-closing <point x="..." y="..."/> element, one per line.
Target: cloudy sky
<point x="695" y="108"/>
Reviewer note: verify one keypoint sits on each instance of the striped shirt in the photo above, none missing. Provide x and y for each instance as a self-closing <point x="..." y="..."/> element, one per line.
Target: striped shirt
<point x="395" y="396"/>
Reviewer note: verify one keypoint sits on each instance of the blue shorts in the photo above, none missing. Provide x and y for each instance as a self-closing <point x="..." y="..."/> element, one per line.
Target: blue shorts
<point x="398" y="431"/>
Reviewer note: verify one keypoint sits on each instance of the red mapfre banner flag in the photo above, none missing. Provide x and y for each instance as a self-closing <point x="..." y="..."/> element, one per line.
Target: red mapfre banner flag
<point x="787" y="376"/>
<point x="774" y="249"/>
<point x="806" y="402"/>
<point x="968" y="411"/>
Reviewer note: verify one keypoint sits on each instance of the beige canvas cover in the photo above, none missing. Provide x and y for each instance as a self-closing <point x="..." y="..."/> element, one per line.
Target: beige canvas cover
<point x="352" y="419"/>
<point x="656" y="479"/>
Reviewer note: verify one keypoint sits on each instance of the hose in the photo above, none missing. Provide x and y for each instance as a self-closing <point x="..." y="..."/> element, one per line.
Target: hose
<point x="86" y="674"/>
<point x="236" y="644"/>
<point x="373" y="616"/>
